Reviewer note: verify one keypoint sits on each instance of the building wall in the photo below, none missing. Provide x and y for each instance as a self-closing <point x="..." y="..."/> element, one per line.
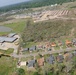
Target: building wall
<point x="7" y="45"/>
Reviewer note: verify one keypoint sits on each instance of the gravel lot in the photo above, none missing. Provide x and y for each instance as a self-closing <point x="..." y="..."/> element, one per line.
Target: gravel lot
<point x="5" y="29"/>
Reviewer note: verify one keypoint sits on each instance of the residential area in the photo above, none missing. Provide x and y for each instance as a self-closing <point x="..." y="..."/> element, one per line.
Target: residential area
<point x="39" y="54"/>
<point x="50" y="59"/>
<point x="38" y="37"/>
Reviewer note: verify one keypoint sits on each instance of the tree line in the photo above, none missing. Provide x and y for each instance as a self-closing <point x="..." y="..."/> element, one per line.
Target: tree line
<point x="32" y="4"/>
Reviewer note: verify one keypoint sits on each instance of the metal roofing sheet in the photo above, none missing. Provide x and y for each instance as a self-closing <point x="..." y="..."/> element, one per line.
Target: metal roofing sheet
<point x="11" y="34"/>
<point x="7" y="39"/>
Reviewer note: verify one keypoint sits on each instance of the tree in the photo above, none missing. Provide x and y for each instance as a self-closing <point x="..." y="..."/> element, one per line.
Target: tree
<point x="36" y="73"/>
<point x="20" y="71"/>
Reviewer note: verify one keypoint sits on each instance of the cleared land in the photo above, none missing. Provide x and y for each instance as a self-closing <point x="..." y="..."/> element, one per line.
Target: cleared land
<point x="55" y="14"/>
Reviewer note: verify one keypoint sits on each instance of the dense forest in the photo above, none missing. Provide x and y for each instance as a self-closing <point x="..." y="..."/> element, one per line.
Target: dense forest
<point x="32" y="4"/>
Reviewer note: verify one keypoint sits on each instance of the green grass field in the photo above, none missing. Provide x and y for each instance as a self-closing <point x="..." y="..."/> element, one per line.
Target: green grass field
<point x="7" y="65"/>
<point x="17" y="27"/>
<point x="29" y="44"/>
<point x="9" y="51"/>
<point x="4" y="33"/>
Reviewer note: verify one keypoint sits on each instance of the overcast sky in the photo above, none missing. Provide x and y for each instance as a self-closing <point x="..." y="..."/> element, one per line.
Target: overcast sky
<point x="8" y="2"/>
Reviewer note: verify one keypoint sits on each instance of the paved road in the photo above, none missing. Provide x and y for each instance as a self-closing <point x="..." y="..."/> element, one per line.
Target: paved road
<point x="43" y="53"/>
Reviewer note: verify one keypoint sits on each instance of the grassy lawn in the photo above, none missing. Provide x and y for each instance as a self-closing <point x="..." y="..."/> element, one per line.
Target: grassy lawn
<point x="57" y="48"/>
<point x="64" y="47"/>
<point x="7" y="65"/>
<point x="26" y="52"/>
<point x="29" y="44"/>
<point x="27" y="58"/>
<point x="17" y="27"/>
<point x="4" y="33"/>
<point x="9" y="51"/>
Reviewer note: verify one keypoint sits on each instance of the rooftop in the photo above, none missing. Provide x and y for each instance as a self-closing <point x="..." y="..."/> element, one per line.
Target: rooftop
<point x="32" y="48"/>
<point x="31" y="63"/>
<point x="68" y="42"/>
<point x="7" y="39"/>
<point x="74" y="53"/>
<point x="50" y="60"/>
<point x="11" y="34"/>
<point x="60" y="58"/>
<point x="41" y="61"/>
<point x="68" y="56"/>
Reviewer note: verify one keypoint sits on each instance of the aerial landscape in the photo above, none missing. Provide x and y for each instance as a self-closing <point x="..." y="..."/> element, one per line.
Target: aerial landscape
<point x="38" y="37"/>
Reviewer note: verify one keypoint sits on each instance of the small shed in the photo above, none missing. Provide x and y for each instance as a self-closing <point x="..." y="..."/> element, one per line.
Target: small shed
<point x="23" y="63"/>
